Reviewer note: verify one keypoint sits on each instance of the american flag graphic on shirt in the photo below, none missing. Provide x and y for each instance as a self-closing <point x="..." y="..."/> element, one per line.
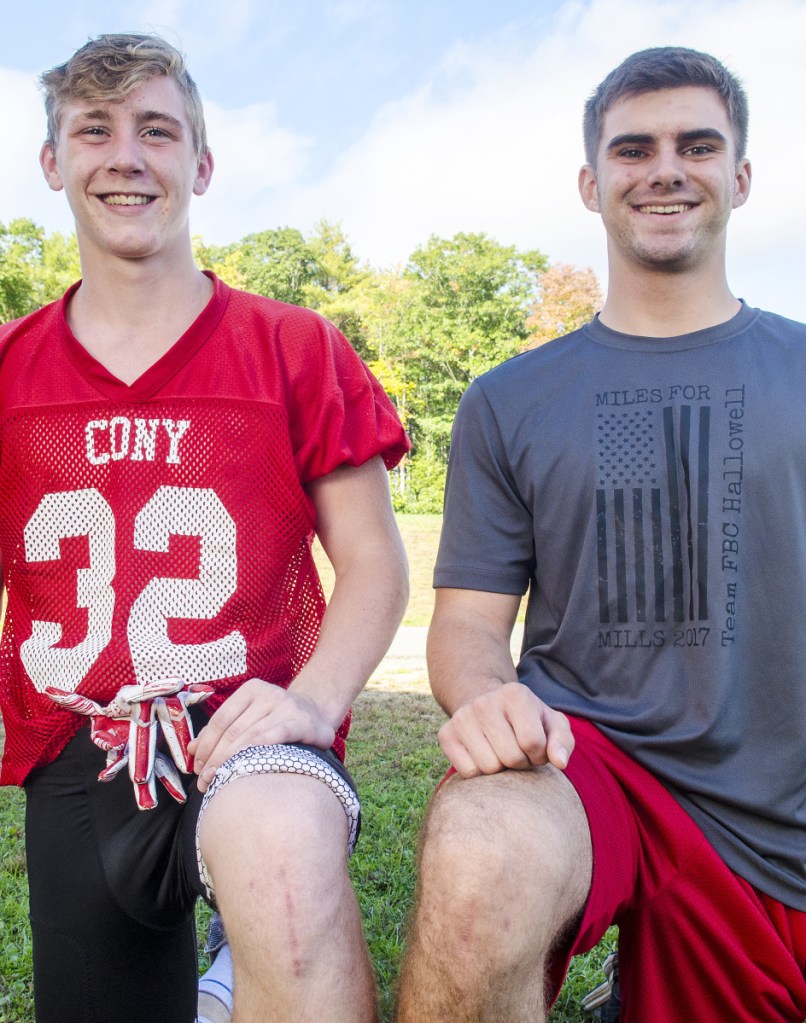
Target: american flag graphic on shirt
<point x="652" y="513"/>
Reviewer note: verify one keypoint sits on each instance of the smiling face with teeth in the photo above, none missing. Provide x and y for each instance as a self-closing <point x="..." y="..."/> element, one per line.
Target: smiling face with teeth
<point x="666" y="180"/>
<point x="129" y="169"/>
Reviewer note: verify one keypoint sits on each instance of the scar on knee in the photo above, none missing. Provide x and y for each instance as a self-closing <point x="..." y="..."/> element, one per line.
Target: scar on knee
<point x="292" y="937"/>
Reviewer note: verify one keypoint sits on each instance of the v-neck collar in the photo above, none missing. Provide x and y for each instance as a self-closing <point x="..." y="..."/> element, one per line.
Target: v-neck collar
<point x="158" y="374"/>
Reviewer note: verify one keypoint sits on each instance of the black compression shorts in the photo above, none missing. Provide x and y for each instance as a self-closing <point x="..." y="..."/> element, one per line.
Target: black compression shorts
<point x="112" y="894"/>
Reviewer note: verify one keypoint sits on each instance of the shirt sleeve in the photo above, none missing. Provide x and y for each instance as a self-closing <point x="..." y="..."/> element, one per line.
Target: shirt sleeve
<point x="487" y="536"/>
<point x="339" y="414"/>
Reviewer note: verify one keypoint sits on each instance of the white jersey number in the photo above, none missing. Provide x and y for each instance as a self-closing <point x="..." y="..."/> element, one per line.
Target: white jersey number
<point x="179" y="511"/>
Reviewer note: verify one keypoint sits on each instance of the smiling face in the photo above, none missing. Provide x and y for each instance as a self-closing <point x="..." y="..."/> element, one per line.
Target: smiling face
<point x="666" y="180"/>
<point x="128" y="168"/>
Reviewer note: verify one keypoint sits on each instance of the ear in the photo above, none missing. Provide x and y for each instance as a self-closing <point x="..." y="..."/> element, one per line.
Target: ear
<point x="588" y="189"/>
<point x="47" y="161"/>
<point x="741" y="184"/>
<point x="204" y="173"/>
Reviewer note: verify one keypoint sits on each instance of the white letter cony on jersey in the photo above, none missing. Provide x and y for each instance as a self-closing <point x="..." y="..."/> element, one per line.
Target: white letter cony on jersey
<point x="112" y="439"/>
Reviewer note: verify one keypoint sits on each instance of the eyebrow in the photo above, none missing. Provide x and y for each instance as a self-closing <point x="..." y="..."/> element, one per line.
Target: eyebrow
<point x="99" y="114"/>
<point x="104" y="114"/>
<point x="692" y="135"/>
<point x="159" y="115"/>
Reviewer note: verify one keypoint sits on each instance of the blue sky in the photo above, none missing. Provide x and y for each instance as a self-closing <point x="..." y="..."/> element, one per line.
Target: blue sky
<point x="406" y="119"/>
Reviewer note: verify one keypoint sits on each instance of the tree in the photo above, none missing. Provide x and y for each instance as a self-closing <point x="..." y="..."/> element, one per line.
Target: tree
<point x="61" y="265"/>
<point x="335" y="289"/>
<point x="20" y="261"/>
<point x="458" y="308"/>
<point x="223" y="260"/>
<point x="567" y="297"/>
<point x="35" y="268"/>
<point x="277" y="263"/>
<point x="462" y="311"/>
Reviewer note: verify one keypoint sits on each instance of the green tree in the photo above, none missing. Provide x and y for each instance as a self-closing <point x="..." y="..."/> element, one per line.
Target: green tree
<point x="336" y="289"/>
<point x="458" y="308"/>
<point x="20" y="264"/>
<point x="60" y="265"/>
<point x="277" y="263"/>
<point x="223" y="260"/>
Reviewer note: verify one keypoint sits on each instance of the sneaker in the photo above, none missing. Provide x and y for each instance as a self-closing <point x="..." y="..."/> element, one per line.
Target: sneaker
<point x="211" y="1009"/>
<point x="215" y="986"/>
<point x="605" y="999"/>
<point x="216" y="936"/>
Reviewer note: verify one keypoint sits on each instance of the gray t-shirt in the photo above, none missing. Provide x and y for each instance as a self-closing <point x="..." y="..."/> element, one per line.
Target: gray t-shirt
<point x="650" y="493"/>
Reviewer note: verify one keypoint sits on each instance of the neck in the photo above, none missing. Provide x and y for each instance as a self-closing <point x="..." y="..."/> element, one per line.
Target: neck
<point x="130" y="314"/>
<point x="652" y="303"/>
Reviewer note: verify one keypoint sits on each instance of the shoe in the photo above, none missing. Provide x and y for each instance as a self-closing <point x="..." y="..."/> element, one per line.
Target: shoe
<point x="215" y="986"/>
<point x="211" y="1009"/>
<point x="605" y="999"/>
<point x="216" y="936"/>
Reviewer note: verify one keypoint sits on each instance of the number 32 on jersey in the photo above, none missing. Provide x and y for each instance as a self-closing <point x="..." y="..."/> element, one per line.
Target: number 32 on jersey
<point x="182" y="511"/>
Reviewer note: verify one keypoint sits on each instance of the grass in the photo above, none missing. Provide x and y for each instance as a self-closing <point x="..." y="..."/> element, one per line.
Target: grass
<point x="16" y="993"/>
<point x="395" y="759"/>
<point x="397" y="764"/>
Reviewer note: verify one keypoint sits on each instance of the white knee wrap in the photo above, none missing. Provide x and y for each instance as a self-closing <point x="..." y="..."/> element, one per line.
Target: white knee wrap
<point x="279" y="759"/>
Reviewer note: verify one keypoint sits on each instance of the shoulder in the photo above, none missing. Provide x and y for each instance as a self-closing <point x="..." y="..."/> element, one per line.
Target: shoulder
<point x="273" y="313"/>
<point x="34" y="324"/>
<point x="780" y="324"/>
<point x="775" y="338"/>
<point x="533" y="372"/>
<point x="308" y="350"/>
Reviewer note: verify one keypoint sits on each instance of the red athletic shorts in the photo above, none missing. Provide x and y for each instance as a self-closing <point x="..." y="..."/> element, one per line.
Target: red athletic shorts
<point x="696" y="942"/>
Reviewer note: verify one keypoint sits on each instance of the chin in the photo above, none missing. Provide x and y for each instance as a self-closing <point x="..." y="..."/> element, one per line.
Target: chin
<point x="669" y="264"/>
<point x="671" y="261"/>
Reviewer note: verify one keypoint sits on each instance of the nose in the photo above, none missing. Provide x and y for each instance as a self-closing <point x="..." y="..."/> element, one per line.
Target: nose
<point x="667" y="169"/>
<point x="125" y="156"/>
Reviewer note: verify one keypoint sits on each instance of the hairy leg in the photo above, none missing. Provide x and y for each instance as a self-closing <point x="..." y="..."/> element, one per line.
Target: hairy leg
<point x="276" y="847"/>
<point x="505" y="869"/>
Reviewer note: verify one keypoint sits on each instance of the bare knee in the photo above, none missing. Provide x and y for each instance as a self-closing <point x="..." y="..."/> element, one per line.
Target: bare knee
<point x="501" y="852"/>
<point x="277" y="844"/>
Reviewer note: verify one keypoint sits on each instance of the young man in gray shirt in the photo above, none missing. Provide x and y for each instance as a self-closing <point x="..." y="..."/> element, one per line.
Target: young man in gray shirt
<point x="643" y="763"/>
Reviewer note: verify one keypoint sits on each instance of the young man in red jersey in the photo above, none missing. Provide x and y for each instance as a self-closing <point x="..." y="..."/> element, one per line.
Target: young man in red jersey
<point x="169" y="446"/>
<point x="643" y="764"/>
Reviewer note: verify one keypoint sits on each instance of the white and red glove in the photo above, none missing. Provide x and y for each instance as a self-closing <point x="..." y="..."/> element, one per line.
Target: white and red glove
<point x="126" y="729"/>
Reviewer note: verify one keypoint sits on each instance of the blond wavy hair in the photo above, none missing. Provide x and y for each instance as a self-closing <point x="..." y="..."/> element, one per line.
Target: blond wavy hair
<point x="110" y="67"/>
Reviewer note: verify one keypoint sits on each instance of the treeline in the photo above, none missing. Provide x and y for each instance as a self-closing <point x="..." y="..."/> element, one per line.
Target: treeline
<point x="427" y="328"/>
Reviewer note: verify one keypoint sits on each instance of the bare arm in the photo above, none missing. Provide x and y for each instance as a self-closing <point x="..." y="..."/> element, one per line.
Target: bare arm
<point x="496" y="722"/>
<point x="357" y="528"/>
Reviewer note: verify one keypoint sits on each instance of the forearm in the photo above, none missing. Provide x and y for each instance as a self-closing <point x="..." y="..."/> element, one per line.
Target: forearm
<point x="468" y="646"/>
<point x="495" y="722"/>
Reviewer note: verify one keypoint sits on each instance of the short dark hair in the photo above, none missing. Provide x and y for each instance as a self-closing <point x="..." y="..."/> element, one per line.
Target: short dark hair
<point x="665" y="67"/>
<point x="110" y="67"/>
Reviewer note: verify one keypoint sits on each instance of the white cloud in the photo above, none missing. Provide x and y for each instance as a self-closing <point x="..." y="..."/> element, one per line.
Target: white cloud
<point x="254" y="158"/>
<point x="22" y="127"/>
<point x="197" y="28"/>
<point x="492" y="142"/>
<point x="349" y="12"/>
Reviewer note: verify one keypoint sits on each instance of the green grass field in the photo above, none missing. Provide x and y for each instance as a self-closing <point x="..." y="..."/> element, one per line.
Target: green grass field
<point x="394" y="756"/>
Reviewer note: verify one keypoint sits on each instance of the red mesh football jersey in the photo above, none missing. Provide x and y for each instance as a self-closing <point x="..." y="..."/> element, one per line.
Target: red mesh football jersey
<point x="163" y="528"/>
